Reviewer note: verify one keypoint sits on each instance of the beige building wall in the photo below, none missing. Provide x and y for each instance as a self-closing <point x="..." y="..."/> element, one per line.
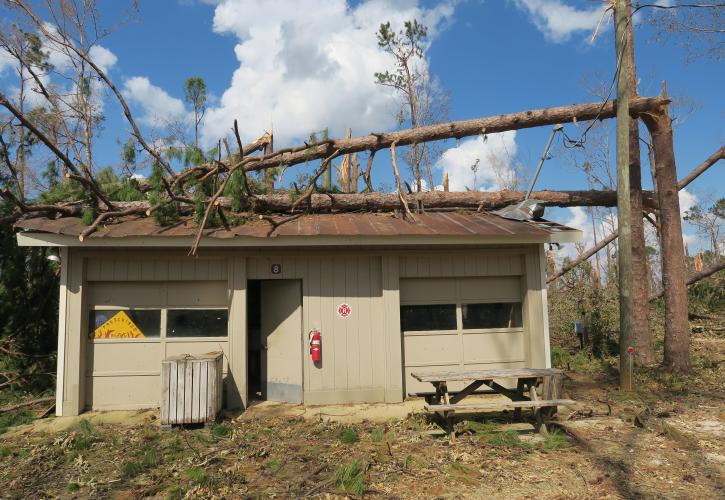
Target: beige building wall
<point x="362" y="354"/>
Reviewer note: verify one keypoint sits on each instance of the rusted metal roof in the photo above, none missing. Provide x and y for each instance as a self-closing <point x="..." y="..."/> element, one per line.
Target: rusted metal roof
<point x="456" y="224"/>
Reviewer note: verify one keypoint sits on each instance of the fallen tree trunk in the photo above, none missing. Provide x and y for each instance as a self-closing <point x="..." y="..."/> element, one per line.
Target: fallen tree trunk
<point x="695" y="277"/>
<point x="344" y="202"/>
<point x="452" y="130"/>
<point x="381" y="202"/>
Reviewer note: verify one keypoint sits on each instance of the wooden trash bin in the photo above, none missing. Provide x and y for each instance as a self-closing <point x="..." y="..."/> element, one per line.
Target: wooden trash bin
<point x="191" y="388"/>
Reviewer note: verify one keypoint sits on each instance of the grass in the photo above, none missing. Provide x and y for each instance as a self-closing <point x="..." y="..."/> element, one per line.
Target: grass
<point x="13" y="418"/>
<point x="349" y="436"/>
<point x="73" y="487"/>
<point x="220" y="431"/>
<point x="350" y="478"/>
<point x="377" y="435"/>
<point x="5" y="451"/>
<point x="555" y="440"/>
<point x="505" y="439"/>
<point x="133" y="468"/>
<point x="197" y="475"/>
<point x="461" y="472"/>
<point x="487" y="427"/>
<point x="84" y="436"/>
<point x="175" y="493"/>
<point x="273" y="465"/>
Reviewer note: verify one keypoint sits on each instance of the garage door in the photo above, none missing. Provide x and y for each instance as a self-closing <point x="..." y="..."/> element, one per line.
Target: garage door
<point x="132" y="327"/>
<point x="460" y="323"/>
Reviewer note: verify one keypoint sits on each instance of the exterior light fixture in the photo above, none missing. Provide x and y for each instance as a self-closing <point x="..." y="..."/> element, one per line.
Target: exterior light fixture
<point x="53" y="256"/>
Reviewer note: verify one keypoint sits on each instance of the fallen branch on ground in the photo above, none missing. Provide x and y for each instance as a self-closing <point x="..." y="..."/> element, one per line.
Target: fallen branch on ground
<point x="6" y="409"/>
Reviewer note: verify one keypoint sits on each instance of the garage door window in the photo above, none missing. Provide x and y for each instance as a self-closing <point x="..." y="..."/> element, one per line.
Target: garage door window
<point x="491" y="315"/>
<point x="125" y="323"/>
<point x="196" y="323"/>
<point x="421" y="318"/>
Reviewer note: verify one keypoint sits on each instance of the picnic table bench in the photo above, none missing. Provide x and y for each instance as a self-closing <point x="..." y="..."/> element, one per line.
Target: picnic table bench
<point x="444" y="402"/>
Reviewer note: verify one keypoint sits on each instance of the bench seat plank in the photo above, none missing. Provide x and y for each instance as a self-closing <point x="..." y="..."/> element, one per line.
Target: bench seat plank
<point x="500" y="405"/>
<point x="451" y="376"/>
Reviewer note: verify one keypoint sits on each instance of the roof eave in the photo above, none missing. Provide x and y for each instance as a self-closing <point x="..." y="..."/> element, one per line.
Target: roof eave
<point x="39" y="239"/>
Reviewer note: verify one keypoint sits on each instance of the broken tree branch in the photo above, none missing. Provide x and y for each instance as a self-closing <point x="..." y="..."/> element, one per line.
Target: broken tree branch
<point x="695" y="277"/>
<point x="88" y="183"/>
<point x="403" y="201"/>
<point x="710" y="161"/>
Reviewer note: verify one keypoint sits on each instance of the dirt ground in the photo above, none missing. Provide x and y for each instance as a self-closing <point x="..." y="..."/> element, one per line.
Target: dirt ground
<point x="665" y="440"/>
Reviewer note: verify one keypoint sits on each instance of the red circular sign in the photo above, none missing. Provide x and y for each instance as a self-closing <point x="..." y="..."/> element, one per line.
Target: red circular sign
<point x="344" y="310"/>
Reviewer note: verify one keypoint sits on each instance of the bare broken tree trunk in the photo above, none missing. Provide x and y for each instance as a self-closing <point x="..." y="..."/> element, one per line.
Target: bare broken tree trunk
<point x="674" y="273"/>
<point x="622" y="18"/>
<point x="644" y="350"/>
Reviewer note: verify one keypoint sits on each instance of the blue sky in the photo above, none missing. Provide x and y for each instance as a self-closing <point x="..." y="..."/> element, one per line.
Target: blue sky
<point x="493" y="56"/>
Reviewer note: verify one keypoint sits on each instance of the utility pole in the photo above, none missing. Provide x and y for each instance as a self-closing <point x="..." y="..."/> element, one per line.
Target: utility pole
<point x="622" y="18"/>
<point x="642" y="341"/>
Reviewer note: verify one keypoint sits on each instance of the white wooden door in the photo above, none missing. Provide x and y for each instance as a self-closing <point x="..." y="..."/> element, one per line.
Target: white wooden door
<point x="282" y="340"/>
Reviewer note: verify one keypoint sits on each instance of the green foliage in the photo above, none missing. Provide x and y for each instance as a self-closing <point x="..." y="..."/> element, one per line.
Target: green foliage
<point x="348" y="435"/>
<point x="350" y="478"/>
<point x="128" y="153"/>
<point x="403" y="46"/>
<point x="167" y="211"/>
<point x="195" y="92"/>
<point x="235" y="190"/>
<point x="28" y="308"/>
<point x="72" y="487"/>
<point x="88" y="216"/>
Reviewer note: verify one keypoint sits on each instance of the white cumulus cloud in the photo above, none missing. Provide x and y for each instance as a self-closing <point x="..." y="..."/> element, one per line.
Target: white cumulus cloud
<point x="103" y="57"/>
<point x="494" y="157"/>
<point x="306" y="65"/>
<point x="558" y="20"/>
<point x="159" y="108"/>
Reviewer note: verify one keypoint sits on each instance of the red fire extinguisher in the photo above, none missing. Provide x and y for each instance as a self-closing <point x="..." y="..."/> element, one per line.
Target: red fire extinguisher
<point x="315" y="346"/>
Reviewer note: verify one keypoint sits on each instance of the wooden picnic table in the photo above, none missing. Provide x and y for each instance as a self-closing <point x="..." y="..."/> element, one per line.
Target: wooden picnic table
<point x="444" y="402"/>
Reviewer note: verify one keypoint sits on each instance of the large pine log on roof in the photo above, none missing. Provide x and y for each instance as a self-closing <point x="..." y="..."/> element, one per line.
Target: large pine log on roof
<point x="453" y="130"/>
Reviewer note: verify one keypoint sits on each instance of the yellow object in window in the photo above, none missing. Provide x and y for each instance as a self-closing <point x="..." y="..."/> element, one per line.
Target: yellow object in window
<point x="119" y="326"/>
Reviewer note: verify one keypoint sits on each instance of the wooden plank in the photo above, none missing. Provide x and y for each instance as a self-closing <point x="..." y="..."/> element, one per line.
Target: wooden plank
<point x="196" y="414"/>
<point x="502" y="405"/>
<point x="173" y="389"/>
<point x="203" y="391"/>
<point x="188" y="391"/>
<point x="450" y="376"/>
<point x="180" y="381"/>
<point x="165" y="368"/>
<point x="211" y="389"/>
<point x="467" y="391"/>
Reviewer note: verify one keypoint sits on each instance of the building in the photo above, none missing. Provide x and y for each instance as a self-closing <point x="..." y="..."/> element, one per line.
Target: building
<point x="454" y="289"/>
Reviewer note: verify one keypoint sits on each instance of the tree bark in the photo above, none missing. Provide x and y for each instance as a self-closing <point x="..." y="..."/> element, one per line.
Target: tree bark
<point x="622" y="18"/>
<point x="644" y="349"/>
<point x="677" y="329"/>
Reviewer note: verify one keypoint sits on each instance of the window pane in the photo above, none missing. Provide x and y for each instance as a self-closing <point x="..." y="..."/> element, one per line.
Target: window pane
<point x="498" y="315"/>
<point x="196" y="323"/>
<point x="430" y="317"/>
<point x="125" y="324"/>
